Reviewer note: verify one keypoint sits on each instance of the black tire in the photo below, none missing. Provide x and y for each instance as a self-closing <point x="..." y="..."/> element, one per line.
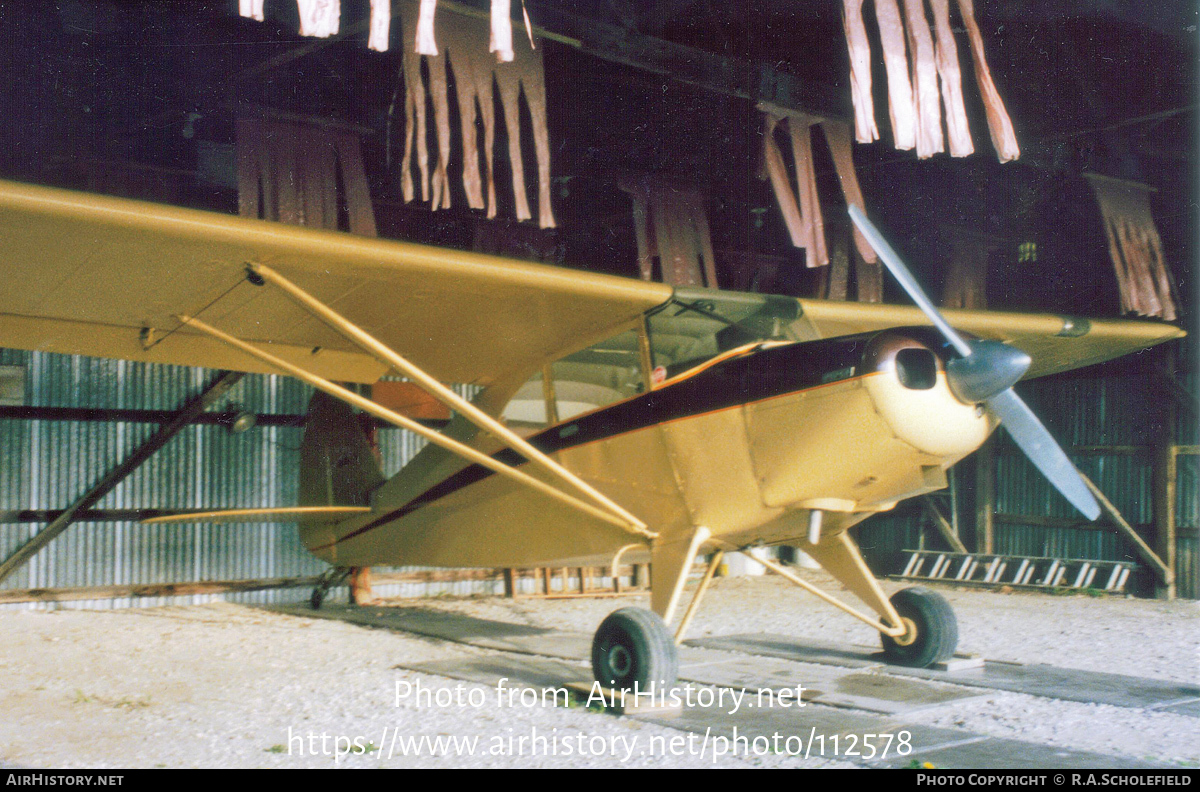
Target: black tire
<point x="634" y="647"/>
<point x="937" y="629"/>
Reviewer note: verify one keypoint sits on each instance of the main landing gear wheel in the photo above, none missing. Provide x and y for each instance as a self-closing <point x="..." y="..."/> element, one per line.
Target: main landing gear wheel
<point x="933" y="630"/>
<point x="634" y="647"/>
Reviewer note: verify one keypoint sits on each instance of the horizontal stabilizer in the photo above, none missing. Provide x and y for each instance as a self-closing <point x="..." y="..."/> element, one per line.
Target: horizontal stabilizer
<point x="293" y="514"/>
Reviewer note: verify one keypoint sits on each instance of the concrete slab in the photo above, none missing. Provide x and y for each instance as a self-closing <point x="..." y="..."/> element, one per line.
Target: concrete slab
<point x="791" y="648"/>
<point x="764" y="678"/>
<point x="1093" y="687"/>
<point x="458" y="628"/>
<point x="813" y="730"/>
<point x="535" y="672"/>
<point x="1068" y="684"/>
<point x="835" y="686"/>
<point x="999" y="754"/>
<point x="1186" y="708"/>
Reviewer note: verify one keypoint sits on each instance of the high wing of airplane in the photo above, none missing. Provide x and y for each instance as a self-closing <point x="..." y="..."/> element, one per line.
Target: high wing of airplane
<point x="618" y="419"/>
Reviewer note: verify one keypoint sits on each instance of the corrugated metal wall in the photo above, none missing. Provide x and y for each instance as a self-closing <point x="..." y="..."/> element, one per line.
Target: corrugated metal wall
<point x="48" y="464"/>
<point x="1106" y="416"/>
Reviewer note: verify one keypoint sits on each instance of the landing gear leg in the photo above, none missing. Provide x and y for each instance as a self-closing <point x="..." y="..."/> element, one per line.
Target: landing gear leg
<point x="329" y="578"/>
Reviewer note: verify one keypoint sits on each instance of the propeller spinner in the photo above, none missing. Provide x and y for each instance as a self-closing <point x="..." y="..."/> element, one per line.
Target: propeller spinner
<point x="986" y="372"/>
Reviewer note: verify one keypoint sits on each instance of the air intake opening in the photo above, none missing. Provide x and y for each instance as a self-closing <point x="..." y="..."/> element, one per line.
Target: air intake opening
<point x="916" y="368"/>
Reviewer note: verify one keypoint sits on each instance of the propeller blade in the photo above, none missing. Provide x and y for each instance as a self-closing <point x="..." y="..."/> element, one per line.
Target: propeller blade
<point x="1043" y="451"/>
<point x="900" y="272"/>
<point x="981" y="371"/>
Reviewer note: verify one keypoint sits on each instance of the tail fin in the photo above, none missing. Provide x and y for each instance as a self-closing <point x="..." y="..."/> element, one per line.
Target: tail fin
<point x="338" y="463"/>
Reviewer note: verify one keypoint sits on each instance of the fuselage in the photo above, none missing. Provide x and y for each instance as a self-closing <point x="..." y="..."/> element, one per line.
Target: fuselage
<point x="745" y="445"/>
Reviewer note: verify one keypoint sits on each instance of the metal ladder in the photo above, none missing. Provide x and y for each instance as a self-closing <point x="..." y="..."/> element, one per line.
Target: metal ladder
<point x="986" y="569"/>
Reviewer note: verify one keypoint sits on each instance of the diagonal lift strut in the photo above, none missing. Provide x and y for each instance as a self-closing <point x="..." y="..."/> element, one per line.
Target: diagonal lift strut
<point x="218" y="388"/>
<point x="446" y="396"/>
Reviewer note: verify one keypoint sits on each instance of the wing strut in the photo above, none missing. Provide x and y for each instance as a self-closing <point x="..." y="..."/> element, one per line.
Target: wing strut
<point x="608" y="511"/>
<point x="443" y="394"/>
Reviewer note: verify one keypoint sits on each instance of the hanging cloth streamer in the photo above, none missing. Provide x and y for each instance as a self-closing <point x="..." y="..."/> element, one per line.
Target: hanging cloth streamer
<point x="957" y="130"/>
<point x="901" y="104"/>
<point x="802" y="209"/>
<point x="865" y="130"/>
<point x="1133" y="243"/>
<point x="288" y="172"/>
<point x="925" y="80"/>
<point x="426" y="44"/>
<point x="999" y="124"/>
<point x="671" y="222"/>
<point x="319" y="18"/>
<point x="924" y="76"/>
<point x="501" y="41"/>
<point x="381" y="23"/>
<point x="252" y="9"/>
<point x="465" y="52"/>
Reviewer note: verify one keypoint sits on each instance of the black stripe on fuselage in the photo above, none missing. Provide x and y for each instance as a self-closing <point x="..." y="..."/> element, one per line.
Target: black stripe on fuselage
<point x="758" y="375"/>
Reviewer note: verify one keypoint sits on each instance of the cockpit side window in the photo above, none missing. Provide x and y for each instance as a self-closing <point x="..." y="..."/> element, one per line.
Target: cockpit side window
<point x="587" y="380"/>
<point x="696" y="326"/>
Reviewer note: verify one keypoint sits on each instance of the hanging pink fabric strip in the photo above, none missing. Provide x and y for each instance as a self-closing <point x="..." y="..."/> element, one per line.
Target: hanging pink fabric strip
<point x="466" y="90"/>
<point x="957" y="130"/>
<point x="381" y="23"/>
<point x="925" y="80"/>
<point x="777" y="171"/>
<point x="999" y="124"/>
<point x="414" y="111"/>
<point x="319" y="18"/>
<point x="837" y="135"/>
<point x="860" y="71"/>
<point x="508" y="82"/>
<point x="1143" y="278"/>
<point x="528" y="25"/>
<point x="806" y="183"/>
<point x="533" y="83"/>
<point x="895" y="57"/>
<point x="252" y="9"/>
<point x="502" y="39"/>
<point x="477" y="76"/>
<point x="360" y="210"/>
<point x="482" y="65"/>
<point x="439" y="92"/>
<point x="426" y="44"/>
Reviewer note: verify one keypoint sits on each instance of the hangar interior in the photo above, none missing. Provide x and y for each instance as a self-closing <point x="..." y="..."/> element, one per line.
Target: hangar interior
<point x="152" y="100"/>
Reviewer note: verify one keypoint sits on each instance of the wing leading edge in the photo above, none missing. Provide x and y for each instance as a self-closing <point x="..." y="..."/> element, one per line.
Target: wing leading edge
<point x="106" y="277"/>
<point x="1056" y="343"/>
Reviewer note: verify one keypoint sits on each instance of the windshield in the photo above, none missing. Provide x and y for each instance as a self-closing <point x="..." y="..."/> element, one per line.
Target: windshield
<point x="697" y="325"/>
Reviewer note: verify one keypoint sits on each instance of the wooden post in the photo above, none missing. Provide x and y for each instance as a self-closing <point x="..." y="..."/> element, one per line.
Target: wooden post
<point x="510" y="583"/>
<point x="985" y="497"/>
<point x="360" y="586"/>
<point x="218" y="388"/>
<point x="943" y="525"/>
<point x="546" y="576"/>
<point x="1165" y="475"/>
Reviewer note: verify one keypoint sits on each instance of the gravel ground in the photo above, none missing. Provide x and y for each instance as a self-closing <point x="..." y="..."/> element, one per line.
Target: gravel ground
<point x="234" y="686"/>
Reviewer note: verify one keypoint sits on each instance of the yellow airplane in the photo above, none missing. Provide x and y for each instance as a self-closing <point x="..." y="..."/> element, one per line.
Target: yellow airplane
<point x="618" y="421"/>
